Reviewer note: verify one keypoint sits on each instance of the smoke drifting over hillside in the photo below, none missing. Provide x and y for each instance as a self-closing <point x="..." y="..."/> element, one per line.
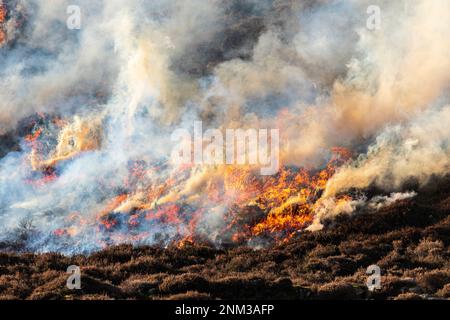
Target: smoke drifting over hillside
<point x="86" y="115"/>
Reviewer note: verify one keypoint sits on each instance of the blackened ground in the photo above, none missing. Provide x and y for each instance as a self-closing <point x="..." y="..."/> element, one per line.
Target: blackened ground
<point x="408" y="240"/>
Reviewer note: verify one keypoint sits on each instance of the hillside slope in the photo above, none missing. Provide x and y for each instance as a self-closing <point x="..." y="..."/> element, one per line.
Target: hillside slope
<point x="409" y="240"/>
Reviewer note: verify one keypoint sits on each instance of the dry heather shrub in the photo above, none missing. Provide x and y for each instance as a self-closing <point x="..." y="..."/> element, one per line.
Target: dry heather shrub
<point x="51" y="261"/>
<point x="429" y="247"/>
<point x="445" y="291"/>
<point x="190" y="295"/>
<point x="276" y="255"/>
<point x="342" y="266"/>
<point x="4" y="270"/>
<point x="365" y="251"/>
<point x="322" y="251"/>
<point x="434" y="280"/>
<point x="203" y="269"/>
<point x="397" y="258"/>
<point x="392" y="286"/>
<point x="298" y="248"/>
<point x="428" y="251"/>
<point x="7" y="259"/>
<point x="188" y="255"/>
<point x="91" y="285"/>
<point x="408" y="296"/>
<point x="356" y="246"/>
<point x="252" y="287"/>
<point x="57" y="289"/>
<point x="38" y="279"/>
<point x="14" y="285"/>
<point x="269" y="268"/>
<point x="310" y="278"/>
<point x="240" y="264"/>
<point x="183" y="283"/>
<point x="335" y="265"/>
<point x="109" y="273"/>
<point x="53" y="290"/>
<point x="140" y="286"/>
<point x="108" y="256"/>
<point x="439" y="230"/>
<point x="95" y="297"/>
<point x="339" y="291"/>
<point x="145" y="265"/>
<point x="313" y="265"/>
<point x="8" y="297"/>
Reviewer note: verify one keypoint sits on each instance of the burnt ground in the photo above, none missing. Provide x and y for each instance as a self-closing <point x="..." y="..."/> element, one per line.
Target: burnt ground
<point x="409" y="241"/>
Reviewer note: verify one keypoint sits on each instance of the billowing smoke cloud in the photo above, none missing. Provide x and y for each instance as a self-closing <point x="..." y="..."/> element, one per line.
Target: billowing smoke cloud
<point x="109" y="95"/>
<point x="418" y="149"/>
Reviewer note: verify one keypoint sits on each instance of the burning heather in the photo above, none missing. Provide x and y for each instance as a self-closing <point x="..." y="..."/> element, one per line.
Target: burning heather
<point x="89" y="103"/>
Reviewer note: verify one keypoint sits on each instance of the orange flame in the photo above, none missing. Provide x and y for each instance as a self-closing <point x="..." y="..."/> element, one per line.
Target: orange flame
<point x="273" y="207"/>
<point x="3" y="13"/>
<point x="282" y="205"/>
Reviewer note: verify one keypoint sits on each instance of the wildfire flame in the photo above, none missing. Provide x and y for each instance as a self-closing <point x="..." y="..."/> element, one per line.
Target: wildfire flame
<point x="269" y="207"/>
<point x="3" y="13"/>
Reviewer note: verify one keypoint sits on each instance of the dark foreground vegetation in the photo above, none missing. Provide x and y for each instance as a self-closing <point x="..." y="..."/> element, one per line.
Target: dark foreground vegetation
<point x="409" y="240"/>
